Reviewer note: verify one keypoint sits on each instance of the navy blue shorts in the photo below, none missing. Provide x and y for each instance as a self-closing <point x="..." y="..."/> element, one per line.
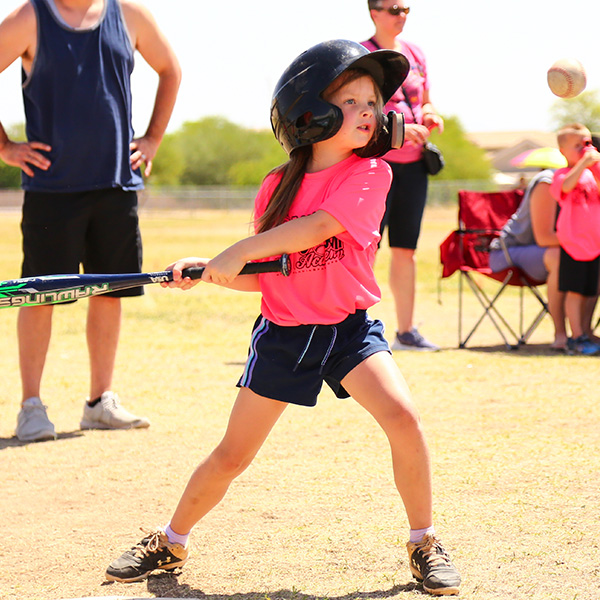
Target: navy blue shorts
<point x="98" y="229"/>
<point x="290" y="363"/>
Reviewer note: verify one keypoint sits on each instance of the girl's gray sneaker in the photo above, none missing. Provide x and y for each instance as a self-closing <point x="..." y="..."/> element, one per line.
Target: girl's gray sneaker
<point x="431" y="565"/>
<point x="153" y="552"/>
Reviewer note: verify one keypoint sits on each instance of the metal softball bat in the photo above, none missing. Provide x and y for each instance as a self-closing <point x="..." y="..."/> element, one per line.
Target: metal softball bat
<point x="54" y="289"/>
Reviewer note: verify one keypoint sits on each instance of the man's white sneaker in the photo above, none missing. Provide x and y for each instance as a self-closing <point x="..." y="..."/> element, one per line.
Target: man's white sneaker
<point x="109" y="414"/>
<point x="33" y="424"/>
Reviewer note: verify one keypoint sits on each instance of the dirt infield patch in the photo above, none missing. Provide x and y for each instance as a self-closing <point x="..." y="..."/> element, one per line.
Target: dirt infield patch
<point x="514" y="438"/>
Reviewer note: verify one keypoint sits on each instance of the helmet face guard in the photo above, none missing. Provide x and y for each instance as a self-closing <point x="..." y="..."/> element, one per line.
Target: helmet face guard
<point x="299" y="114"/>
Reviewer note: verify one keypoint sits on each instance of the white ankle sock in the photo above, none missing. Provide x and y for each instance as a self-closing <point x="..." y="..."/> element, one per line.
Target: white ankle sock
<point x="176" y="538"/>
<point x="416" y="535"/>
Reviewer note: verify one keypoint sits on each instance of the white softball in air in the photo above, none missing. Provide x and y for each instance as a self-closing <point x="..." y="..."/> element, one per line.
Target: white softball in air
<point x="566" y="78"/>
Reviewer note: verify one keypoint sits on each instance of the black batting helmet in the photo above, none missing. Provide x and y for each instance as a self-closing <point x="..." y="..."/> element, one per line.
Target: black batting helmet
<point x="300" y="116"/>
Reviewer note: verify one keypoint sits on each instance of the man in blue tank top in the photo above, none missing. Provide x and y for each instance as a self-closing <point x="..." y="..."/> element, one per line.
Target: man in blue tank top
<point x="81" y="173"/>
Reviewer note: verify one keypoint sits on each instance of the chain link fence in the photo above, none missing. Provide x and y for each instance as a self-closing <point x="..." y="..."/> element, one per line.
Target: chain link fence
<point x="442" y="192"/>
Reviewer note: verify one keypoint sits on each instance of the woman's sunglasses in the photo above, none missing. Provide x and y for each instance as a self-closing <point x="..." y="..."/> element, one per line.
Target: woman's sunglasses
<point x="396" y="10"/>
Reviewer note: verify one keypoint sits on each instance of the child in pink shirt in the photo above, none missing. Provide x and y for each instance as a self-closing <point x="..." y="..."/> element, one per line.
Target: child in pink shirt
<point x="335" y="278"/>
<point x="576" y="188"/>
<point x="323" y="208"/>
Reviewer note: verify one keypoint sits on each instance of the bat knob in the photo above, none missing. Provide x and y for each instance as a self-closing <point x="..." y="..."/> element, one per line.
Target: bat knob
<point x="286" y="265"/>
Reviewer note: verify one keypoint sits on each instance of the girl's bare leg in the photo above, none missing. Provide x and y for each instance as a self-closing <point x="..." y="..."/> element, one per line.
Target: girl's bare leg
<point x="250" y="423"/>
<point x="378" y="386"/>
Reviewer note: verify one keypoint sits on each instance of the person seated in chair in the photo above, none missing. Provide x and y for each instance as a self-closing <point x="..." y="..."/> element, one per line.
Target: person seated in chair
<point x="528" y="241"/>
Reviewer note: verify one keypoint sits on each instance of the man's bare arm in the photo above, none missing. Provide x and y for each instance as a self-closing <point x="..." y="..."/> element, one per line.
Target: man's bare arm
<point x="149" y="41"/>
<point x="18" y="35"/>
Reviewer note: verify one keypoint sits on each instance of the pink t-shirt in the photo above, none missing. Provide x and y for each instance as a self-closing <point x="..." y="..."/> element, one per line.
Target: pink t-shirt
<point x="332" y="280"/>
<point x="415" y="85"/>
<point x="578" y="224"/>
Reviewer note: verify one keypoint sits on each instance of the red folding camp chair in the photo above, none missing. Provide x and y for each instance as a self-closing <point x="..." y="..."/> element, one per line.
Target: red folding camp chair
<point x="481" y="216"/>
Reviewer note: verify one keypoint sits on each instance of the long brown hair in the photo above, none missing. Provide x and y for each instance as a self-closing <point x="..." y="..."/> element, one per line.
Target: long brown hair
<point x="294" y="169"/>
<point x="293" y="172"/>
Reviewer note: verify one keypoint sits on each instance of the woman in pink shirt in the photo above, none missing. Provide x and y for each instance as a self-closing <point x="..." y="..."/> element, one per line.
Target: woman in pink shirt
<point x="323" y="208"/>
<point x="408" y="193"/>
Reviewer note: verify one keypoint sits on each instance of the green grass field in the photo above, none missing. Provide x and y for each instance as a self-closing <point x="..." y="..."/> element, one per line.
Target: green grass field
<point x="514" y="438"/>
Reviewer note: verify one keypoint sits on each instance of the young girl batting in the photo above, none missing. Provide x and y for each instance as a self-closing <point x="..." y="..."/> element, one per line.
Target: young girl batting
<point x="323" y="207"/>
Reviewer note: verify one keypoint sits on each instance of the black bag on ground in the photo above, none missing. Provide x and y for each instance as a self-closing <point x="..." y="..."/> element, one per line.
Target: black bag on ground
<point x="434" y="161"/>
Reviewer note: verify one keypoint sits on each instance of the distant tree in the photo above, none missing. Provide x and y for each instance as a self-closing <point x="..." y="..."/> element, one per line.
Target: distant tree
<point x="584" y="108"/>
<point x="212" y="146"/>
<point x="214" y="151"/>
<point x="464" y="160"/>
<point x="253" y="171"/>
<point x="169" y="163"/>
<point x="10" y="177"/>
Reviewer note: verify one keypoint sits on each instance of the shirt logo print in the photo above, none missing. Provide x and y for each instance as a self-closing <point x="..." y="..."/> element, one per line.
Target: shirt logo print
<point x="317" y="258"/>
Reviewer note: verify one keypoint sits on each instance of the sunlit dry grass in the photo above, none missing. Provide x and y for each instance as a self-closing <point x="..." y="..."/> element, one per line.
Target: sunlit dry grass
<point x="514" y="438"/>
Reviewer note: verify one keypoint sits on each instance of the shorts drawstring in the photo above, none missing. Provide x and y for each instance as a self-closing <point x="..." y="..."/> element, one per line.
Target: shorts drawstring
<point x="310" y="337"/>
<point x="327" y="354"/>
<point x="333" y="337"/>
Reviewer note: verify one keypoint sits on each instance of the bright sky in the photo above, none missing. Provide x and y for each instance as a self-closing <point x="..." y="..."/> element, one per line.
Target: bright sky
<point x="487" y="60"/>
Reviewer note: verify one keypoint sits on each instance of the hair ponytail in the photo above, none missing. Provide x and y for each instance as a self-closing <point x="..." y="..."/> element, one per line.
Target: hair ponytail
<point x="293" y="172"/>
